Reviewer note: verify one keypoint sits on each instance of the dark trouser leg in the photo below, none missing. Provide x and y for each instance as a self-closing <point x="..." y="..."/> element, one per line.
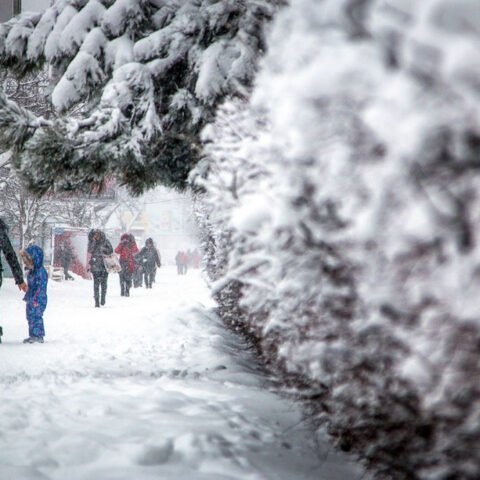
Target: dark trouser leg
<point x="151" y="278"/>
<point x="127" y="278"/>
<point x="65" y="272"/>
<point x="121" y="277"/>
<point x="103" y="287"/>
<point x="96" y="288"/>
<point x="137" y="278"/>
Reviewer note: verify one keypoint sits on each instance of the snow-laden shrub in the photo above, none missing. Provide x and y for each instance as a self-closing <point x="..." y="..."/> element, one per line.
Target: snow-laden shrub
<point x="236" y="173"/>
<point x="350" y="222"/>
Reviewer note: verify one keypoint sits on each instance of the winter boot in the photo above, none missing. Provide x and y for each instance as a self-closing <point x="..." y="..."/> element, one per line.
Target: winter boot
<point x="33" y="340"/>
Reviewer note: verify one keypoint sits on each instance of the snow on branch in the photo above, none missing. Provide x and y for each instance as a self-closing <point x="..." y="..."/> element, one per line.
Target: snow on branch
<point x="17" y="125"/>
<point x="125" y="63"/>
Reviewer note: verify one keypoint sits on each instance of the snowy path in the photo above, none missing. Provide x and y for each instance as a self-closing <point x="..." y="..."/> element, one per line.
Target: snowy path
<point x="149" y="387"/>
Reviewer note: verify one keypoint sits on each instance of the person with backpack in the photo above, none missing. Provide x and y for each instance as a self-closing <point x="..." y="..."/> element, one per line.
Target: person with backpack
<point x="98" y="247"/>
<point x="36" y="296"/>
<point x="126" y="249"/>
<point x="150" y="260"/>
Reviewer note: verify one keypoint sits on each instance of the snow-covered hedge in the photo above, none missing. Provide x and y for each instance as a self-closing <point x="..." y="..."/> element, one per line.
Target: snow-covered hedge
<point x="341" y="207"/>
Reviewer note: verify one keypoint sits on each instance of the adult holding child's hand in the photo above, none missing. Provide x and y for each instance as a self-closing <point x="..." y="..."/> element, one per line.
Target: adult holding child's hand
<point x="11" y="257"/>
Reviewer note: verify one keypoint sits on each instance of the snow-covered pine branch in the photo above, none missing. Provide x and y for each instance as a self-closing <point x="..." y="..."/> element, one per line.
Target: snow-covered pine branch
<point x="149" y="74"/>
<point x="17" y="125"/>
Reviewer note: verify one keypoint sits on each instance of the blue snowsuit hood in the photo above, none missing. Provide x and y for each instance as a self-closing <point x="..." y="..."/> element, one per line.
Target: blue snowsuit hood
<point x="36" y="254"/>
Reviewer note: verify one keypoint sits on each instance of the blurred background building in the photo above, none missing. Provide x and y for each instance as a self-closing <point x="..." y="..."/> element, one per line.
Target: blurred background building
<point x="162" y="214"/>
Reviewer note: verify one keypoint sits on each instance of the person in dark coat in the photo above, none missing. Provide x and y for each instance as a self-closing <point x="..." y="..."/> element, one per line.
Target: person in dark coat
<point x="150" y="260"/>
<point x="36" y="296"/>
<point x="126" y="250"/>
<point x="66" y="256"/>
<point x="178" y="262"/>
<point x="98" y="247"/>
<point x="11" y="257"/>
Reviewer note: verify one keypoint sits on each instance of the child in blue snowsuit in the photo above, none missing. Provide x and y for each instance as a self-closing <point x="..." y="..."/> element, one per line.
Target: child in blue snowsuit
<point x="36" y="296"/>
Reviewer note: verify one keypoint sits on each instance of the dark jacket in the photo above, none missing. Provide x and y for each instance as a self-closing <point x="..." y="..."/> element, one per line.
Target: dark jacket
<point x="97" y="250"/>
<point x="10" y="255"/>
<point x="66" y="256"/>
<point x="149" y="258"/>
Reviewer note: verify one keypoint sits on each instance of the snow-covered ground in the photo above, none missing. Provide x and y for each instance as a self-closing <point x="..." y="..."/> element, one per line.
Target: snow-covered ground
<point x="148" y="387"/>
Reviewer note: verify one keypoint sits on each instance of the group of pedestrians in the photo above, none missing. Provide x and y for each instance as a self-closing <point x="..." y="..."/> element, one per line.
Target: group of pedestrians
<point x="184" y="260"/>
<point x="135" y="266"/>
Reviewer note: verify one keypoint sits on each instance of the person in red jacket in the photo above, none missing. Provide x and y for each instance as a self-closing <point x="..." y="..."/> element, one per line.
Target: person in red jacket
<point x="126" y="250"/>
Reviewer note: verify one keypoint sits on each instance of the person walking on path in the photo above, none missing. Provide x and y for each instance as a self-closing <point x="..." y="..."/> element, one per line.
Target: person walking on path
<point x="184" y="263"/>
<point x="150" y="260"/>
<point x="178" y="262"/>
<point x="181" y="260"/>
<point x="98" y="247"/>
<point x="126" y="249"/>
<point x="66" y="256"/>
<point x="36" y="296"/>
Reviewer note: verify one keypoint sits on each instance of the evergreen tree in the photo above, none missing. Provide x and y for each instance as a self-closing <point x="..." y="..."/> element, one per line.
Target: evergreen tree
<point x="134" y="83"/>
